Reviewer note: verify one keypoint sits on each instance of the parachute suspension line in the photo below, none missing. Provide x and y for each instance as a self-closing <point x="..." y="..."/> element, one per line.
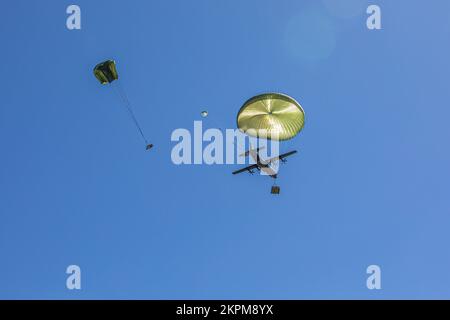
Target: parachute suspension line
<point x="274" y="182"/>
<point x="121" y="93"/>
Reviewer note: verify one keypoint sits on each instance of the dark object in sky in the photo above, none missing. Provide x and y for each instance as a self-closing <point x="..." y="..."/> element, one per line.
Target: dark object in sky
<point x="106" y="72"/>
<point x="275" y="190"/>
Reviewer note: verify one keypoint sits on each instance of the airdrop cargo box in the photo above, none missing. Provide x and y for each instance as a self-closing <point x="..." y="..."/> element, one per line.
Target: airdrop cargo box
<point x="275" y="190"/>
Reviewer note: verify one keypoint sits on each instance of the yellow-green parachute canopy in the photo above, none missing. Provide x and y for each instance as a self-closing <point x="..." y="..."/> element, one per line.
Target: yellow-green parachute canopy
<point x="106" y="72"/>
<point x="271" y="116"/>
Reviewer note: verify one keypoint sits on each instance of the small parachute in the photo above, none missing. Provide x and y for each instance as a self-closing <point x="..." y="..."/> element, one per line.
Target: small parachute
<point x="106" y="73"/>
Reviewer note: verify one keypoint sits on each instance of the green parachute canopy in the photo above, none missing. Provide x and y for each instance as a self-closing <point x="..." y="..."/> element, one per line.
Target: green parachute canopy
<point x="106" y="72"/>
<point x="271" y="116"/>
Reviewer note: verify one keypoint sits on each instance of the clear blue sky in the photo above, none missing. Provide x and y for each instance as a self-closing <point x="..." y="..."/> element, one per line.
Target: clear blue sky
<point x="369" y="185"/>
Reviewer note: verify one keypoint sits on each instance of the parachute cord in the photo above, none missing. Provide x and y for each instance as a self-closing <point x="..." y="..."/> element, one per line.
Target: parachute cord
<point x="121" y="93"/>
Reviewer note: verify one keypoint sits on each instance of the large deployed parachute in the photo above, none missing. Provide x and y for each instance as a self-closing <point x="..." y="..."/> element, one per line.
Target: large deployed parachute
<point x="271" y="116"/>
<point x="106" y="73"/>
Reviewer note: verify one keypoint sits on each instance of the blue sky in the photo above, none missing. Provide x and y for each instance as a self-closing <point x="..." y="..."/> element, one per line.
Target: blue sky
<point x="368" y="186"/>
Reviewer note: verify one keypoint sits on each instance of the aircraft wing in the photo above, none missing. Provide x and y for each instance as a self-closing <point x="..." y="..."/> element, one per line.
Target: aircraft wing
<point x="254" y="166"/>
<point x="282" y="156"/>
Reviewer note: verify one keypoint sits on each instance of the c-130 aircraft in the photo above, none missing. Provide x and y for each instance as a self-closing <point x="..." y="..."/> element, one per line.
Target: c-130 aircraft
<point x="264" y="165"/>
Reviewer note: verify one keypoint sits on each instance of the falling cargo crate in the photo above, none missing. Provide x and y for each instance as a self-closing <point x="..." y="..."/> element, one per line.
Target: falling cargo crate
<point x="275" y="190"/>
